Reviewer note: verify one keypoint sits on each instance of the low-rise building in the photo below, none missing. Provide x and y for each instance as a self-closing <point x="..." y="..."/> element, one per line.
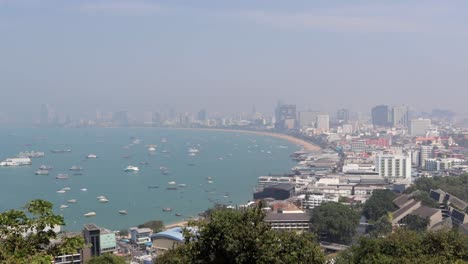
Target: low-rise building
<point x="140" y="236"/>
<point x="168" y="239"/>
<point x="281" y="191"/>
<point x="299" y="222"/>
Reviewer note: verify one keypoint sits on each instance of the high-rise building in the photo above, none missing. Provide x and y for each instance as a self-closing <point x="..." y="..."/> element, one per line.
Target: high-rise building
<point x="201" y="116"/>
<point x="285" y="117"/>
<point x="393" y="166"/>
<point x="308" y="118"/>
<point x="91" y="234"/>
<point x="342" y="115"/>
<point x="323" y="122"/>
<point x="400" y="116"/>
<point x="121" y="118"/>
<point x="425" y="153"/>
<point x="381" y="116"/>
<point x="419" y="127"/>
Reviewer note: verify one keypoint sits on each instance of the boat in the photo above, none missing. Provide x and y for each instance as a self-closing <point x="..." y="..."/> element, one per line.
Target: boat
<point x="91" y="156"/>
<point x="77" y="173"/>
<point x="193" y="150"/>
<point x="132" y="168"/>
<point x="90" y="214"/>
<point x="167" y="209"/>
<point x="209" y="178"/>
<point x="182" y="185"/>
<point x="41" y="172"/>
<point x="152" y="148"/>
<point x="210" y="181"/>
<point x="71" y="201"/>
<point x="164" y="140"/>
<point x="166" y="172"/>
<point x="75" y="168"/>
<point x="171" y="182"/>
<point x="123" y="212"/>
<point x="153" y="187"/>
<point x="178" y="214"/>
<point x="163" y="168"/>
<point x="103" y="200"/>
<point x="164" y="151"/>
<point x="171" y="188"/>
<point x="61" y="191"/>
<point x="31" y="154"/>
<point x="61" y="151"/>
<point x="63" y="206"/>
<point x="62" y="176"/>
<point x="83" y="189"/>
<point x="192" y="154"/>
<point x="45" y="167"/>
<point x="16" y="162"/>
<point x="101" y="197"/>
<point x="66" y="188"/>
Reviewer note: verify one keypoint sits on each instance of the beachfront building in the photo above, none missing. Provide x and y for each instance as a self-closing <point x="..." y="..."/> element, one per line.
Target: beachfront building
<point x="140" y="236"/>
<point x="167" y="239"/>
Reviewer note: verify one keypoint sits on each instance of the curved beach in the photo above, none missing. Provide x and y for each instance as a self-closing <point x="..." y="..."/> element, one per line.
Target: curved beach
<point x="306" y="146"/>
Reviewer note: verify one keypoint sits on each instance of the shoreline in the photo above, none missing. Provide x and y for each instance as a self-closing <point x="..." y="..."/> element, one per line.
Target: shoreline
<point x="306" y="146"/>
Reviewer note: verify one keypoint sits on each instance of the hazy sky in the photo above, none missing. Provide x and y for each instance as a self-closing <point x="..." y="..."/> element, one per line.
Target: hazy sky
<point x="139" y="55"/>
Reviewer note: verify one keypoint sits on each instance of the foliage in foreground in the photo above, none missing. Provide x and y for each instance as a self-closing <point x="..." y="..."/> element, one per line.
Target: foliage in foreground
<point x="233" y="236"/>
<point x="18" y="244"/>
<point x="335" y="222"/>
<point x="155" y="225"/>
<point x="406" y="246"/>
<point x="107" y="259"/>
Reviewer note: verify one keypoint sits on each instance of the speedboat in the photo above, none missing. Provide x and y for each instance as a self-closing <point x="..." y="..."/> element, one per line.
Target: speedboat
<point x="101" y="197"/>
<point x="132" y="168"/>
<point x="103" y="200"/>
<point x="66" y="188"/>
<point x="63" y="206"/>
<point x="71" y="201"/>
<point x="76" y="168"/>
<point x="61" y="191"/>
<point x="83" y="189"/>
<point x="90" y="214"/>
<point x="91" y="156"/>
<point x="123" y="212"/>
<point x="41" y="172"/>
<point x="171" y="182"/>
<point x="151" y="148"/>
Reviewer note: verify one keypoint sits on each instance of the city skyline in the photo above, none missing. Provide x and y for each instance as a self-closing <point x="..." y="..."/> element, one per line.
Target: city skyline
<point x="149" y="55"/>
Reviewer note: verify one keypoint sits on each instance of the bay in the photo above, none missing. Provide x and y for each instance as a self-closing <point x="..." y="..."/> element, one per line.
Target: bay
<point x="233" y="160"/>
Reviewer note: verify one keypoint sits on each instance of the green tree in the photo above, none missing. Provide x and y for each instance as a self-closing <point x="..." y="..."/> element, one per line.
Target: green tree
<point x="416" y="223"/>
<point x="381" y="227"/>
<point x="379" y="204"/>
<point x="107" y="259"/>
<point x="406" y="246"/>
<point x="425" y="199"/>
<point x="334" y="222"/>
<point x="25" y="235"/>
<point x="154" y="225"/>
<point x="241" y="236"/>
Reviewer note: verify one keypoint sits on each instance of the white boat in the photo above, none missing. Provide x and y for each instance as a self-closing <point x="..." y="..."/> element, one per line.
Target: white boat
<point x="91" y="156"/>
<point x="76" y="168"/>
<point x="167" y="209"/>
<point x="152" y="148"/>
<point x="62" y="176"/>
<point x="101" y="197"/>
<point x="182" y="185"/>
<point x="90" y="214"/>
<point x="103" y="200"/>
<point x="163" y="168"/>
<point x="210" y="181"/>
<point x="41" y="172"/>
<point x="66" y="188"/>
<point x="61" y="191"/>
<point x="171" y="182"/>
<point x="16" y="162"/>
<point x="193" y="150"/>
<point x="63" y="206"/>
<point x="71" y="201"/>
<point x="192" y="154"/>
<point x="132" y="168"/>
<point x="45" y="167"/>
<point x="83" y="189"/>
<point x="31" y="154"/>
<point x="123" y="212"/>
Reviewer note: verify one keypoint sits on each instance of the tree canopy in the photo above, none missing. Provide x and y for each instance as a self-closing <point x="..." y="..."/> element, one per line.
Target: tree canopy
<point x="154" y="225"/>
<point x="241" y="236"/>
<point x="334" y="222"/>
<point x="25" y="235"/>
<point x="379" y="204"/>
<point x="406" y="246"/>
<point x="455" y="185"/>
<point x="106" y="259"/>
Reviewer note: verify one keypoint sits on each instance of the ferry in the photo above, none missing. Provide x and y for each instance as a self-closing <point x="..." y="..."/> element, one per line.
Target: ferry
<point x="132" y="168"/>
<point x="41" y="172"/>
<point x="90" y="214"/>
<point x="91" y="156"/>
<point x="123" y="212"/>
<point x="16" y="162"/>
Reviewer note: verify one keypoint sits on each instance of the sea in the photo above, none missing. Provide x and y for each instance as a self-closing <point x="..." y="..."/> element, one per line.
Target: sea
<point x="224" y="171"/>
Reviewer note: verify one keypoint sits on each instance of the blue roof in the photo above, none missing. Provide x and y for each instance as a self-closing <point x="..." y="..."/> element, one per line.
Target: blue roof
<point x="175" y="233"/>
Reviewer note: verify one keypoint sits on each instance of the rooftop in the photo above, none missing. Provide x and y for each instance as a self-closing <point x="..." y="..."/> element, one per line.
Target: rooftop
<point x="278" y="217"/>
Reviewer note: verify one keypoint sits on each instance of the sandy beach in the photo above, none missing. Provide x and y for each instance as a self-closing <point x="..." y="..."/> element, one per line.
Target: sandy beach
<point x="306" y="146"/>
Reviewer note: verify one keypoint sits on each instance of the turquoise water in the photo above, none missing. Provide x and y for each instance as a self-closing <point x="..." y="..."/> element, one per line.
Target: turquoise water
<point x="233" y="160"/>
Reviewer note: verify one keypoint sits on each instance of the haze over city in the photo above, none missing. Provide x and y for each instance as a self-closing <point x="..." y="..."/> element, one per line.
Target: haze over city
<point x="84" y="56"/>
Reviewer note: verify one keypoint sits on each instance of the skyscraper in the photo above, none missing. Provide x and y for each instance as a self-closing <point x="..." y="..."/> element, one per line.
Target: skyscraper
<point x="323" y="122"/>
<point x="285" y="117"/>
<point x="400" y="116"/>
<point x="342" y="115"/>
<point x="381" y="116"/>
<point x="201" y="116"/>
